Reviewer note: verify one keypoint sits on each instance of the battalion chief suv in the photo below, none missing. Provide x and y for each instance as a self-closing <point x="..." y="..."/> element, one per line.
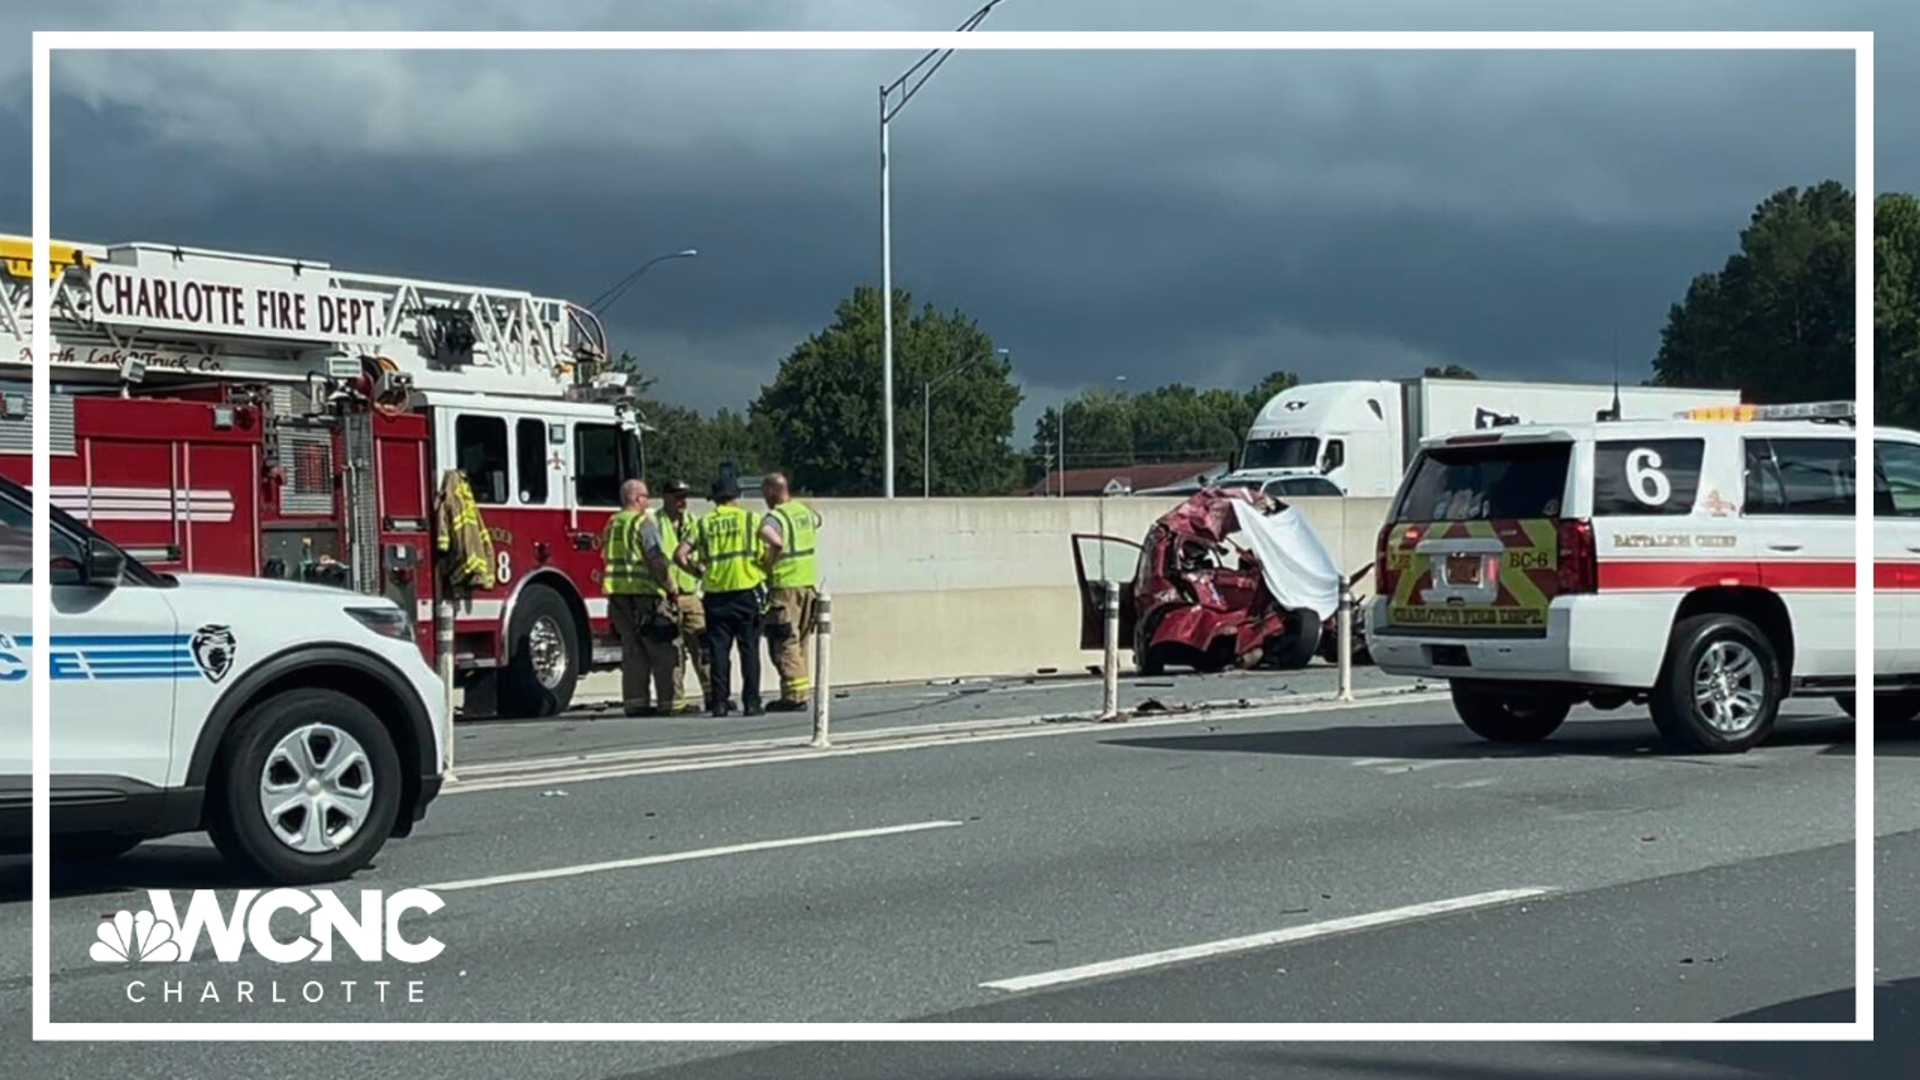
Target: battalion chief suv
<point x="1703" y="565"/>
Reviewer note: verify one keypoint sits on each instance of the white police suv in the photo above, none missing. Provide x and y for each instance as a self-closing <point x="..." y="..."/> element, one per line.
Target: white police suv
<point x="1702" y="565"/>
<point x="298" y="724"/>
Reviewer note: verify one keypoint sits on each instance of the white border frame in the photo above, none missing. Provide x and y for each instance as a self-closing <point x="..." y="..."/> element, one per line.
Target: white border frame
<point x="1859" y="43"/>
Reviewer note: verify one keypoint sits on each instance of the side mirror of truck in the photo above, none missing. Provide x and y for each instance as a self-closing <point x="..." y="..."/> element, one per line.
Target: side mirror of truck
<point x="105" y="566"/>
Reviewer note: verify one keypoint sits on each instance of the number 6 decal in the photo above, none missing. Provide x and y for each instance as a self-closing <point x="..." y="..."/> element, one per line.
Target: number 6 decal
<point x="1649" y="484"/>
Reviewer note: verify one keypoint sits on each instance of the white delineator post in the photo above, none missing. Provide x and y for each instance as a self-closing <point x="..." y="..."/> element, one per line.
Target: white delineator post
<point x="1111" y="669"/>
<point x="822" y="676"/>
<point x="1344" y="627"/>
<point x="443" y="653"/>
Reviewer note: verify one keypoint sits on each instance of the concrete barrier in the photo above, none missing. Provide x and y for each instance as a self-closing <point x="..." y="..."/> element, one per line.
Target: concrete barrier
<point x="932" y="588"/>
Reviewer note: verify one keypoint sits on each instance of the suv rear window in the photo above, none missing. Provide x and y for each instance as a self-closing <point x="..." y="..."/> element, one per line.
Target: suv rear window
<point x="1486" y="482"/>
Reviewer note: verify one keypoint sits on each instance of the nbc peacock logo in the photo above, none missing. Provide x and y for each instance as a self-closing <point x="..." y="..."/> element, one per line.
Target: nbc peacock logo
<point x="128" y="937"/>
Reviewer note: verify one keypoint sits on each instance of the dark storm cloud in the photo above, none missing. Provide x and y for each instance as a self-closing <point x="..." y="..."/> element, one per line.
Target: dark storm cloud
<point x="1154" y="215"/>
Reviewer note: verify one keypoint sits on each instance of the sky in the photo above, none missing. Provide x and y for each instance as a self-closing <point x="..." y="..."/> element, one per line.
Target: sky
<point x="1150" y="217"/>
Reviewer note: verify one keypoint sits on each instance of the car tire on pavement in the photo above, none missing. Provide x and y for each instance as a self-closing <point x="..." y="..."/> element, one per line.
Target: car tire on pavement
<point x="538" y="682"/>
<point x="1720" y="688"/>
<point x="1507" y="718"/>
<point x="1296" y="650"/>
<point x="328" y="765"/>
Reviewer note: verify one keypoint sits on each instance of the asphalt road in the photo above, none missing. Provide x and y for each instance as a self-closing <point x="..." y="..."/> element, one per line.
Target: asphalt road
<point x="1672" y="888"/>
<point x="599" y="726"/>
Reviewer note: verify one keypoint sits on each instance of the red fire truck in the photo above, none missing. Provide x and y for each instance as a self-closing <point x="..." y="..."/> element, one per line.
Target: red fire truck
<point x="243" y="414"/>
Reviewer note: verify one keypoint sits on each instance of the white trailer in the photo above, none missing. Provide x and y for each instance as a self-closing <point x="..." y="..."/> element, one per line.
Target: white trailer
<point x="1361" y="434"/>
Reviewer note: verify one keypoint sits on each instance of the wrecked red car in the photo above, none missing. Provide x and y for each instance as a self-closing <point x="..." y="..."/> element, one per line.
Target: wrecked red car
<point x="1195" y="598"/>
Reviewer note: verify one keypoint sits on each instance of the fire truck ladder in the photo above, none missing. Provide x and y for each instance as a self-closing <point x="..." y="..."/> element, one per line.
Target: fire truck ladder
<point x="540" y="342"/>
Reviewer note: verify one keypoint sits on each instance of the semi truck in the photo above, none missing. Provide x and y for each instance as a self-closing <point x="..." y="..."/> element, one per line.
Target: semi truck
<point x="1360" y="434"/>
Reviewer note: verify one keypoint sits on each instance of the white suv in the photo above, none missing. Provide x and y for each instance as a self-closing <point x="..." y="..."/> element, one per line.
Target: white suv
<point x="298" y="724"/>
<point x="1896" y="577"/>
<point x="1701" y="565"/>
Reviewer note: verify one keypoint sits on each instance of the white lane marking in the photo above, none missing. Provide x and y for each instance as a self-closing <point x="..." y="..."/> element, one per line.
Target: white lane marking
<point x="687" y="856"/>
<point x="1260" y="941"/>
<point x="801" y="751"/>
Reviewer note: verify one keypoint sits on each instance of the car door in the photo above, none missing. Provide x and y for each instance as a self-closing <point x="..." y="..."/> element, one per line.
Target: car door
<point x="115" y="657"/>
<point x="1098" y="559"/>
<point x="1801" y="493"/>
<point x="1896" y="555"/>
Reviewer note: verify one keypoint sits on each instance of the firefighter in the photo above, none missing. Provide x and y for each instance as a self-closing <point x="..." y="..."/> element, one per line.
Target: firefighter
<point x="678" y="523"/>
<point x="725" y="556"/>
<point x="636" y="579"/>
<point x="786" y="534"/>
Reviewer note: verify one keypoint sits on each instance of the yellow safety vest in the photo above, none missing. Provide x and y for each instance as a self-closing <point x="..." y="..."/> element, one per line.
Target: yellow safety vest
<point x="729" y="545"/>
<point x="794" y="569"/>
<point x="626" y="572"/>
<point x="670" y="539"/>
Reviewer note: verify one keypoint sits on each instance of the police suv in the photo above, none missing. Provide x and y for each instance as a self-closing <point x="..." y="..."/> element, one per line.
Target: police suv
<point x="1702" y="565"/>
<point x="298" y="724"/>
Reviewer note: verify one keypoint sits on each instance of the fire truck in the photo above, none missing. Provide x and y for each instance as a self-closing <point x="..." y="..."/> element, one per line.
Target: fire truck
<point x="225" y="413"/>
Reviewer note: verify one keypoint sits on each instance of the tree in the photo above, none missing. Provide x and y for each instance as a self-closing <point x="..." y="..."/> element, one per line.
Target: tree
<point x="1451" y="371"/>
<point x="1263" y="391"/>
<point x="1174" y="422"/>
<point x="1896" y="309"/>
<point x="1777" y="320"/>
<point x="820" y="420"/>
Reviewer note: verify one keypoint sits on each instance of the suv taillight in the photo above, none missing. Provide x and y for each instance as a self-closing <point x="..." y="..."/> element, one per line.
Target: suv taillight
<point x="1578" y="559"/>
<point x="1385" y="578"/>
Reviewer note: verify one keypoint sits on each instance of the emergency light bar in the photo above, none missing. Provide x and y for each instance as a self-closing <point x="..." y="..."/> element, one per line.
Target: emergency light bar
<point x="1809" y="410"/>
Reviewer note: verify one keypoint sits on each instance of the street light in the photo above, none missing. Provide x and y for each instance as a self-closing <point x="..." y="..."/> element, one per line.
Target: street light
<point x="926" y="419"/>
<point x="888" y="110"/>
<point x="619" y="289"/>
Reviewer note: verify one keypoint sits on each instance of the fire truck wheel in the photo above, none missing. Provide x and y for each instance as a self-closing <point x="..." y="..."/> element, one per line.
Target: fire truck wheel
<point x="1507" y="718"/>
<point x="308" y="787"/>
<point x="1720" y="688"/>
<point x="539" y="681"/>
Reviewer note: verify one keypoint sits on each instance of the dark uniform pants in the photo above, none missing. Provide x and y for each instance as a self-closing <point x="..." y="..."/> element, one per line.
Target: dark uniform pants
<point x="734" y="618"/>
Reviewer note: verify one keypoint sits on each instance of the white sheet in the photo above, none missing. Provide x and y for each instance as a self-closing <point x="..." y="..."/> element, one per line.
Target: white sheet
<point x="1299" y="570"/>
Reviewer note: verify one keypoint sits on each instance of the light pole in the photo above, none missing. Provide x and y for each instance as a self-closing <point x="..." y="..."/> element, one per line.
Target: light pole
<point x="888" y="110"/>
<point x="619" y="288"/>
<point x="926" y="419"/>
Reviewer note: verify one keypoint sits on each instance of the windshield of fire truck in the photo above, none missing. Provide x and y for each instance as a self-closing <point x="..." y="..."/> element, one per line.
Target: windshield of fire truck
<point x="604" y="457"/>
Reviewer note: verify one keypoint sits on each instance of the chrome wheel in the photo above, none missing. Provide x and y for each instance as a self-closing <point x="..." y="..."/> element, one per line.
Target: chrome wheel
<point x="547" y="648"/>
<point x="317" y="789"/>
<point x="1729" y="687"/>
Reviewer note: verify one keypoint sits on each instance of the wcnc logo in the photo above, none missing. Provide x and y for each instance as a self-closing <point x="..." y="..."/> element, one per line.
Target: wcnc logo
<point x="163" y="935"/>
